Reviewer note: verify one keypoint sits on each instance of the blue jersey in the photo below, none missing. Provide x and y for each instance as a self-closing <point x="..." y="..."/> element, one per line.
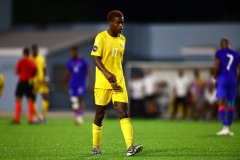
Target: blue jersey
<point x="227" y="76"/>
<point x="229" y="62"/>
<point x="78" y="71"/>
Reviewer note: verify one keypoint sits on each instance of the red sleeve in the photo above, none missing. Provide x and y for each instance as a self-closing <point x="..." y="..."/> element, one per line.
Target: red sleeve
<point x="18" y="67"/>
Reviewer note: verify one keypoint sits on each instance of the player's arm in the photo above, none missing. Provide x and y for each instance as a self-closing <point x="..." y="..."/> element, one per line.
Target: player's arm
<point x="17" y="69"/>
<point x="110" y="77"/>
<point x="216" y="70"/>
<point x="46" y="77"/>
<point x="90" y="81"/>
<point x="238" y="73"/>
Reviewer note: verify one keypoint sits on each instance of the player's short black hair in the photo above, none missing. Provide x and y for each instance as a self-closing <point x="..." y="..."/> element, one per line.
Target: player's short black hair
<point x="113" y="14"/>
<point x="26" y="51"/>
<point x="34" y="46"/>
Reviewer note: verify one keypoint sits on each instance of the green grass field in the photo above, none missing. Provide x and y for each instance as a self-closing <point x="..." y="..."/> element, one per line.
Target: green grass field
<point x="162" y="139"/>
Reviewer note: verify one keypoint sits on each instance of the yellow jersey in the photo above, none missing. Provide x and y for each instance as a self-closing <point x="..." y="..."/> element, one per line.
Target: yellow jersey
<point x="111" y="50"/>
<point x="41" y="65"/>
<point x="2" y="82"/>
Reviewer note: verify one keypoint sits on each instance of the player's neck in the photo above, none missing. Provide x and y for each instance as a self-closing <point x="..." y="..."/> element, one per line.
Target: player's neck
<point x="112" y="34"/>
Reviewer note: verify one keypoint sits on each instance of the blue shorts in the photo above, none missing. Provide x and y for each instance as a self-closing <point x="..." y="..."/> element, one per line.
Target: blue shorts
<point x="77" y="91"/>
<point x="226" y="91"/>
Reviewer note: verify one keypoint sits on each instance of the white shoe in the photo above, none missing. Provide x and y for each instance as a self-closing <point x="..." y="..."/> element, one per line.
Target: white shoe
<point x="223" y="132"/>
<point x="79" y="120"/>
<point x="230" y="133"/>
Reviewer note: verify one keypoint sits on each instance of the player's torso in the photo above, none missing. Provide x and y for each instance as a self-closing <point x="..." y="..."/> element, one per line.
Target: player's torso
<point x="113" y="50"/>
<point x="25" y="68"/>
<point x="229" y="61"/>
<point x="78" y="71"/>
<point x="40" y="62"/>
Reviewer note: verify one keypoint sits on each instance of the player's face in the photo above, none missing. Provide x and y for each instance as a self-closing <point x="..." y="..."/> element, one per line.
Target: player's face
<point x="117" y="25"/>
<point x="34" y="51"/>
<point x="74" y="53"/>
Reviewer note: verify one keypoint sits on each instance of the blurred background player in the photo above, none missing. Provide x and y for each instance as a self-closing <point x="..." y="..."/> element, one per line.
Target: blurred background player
<point x="226" y="73"/>
<point x="25" y="69"/>
<point x="108" y="52"/>
<point x="2" y="83"/>
<point x="40" y="82"/>
<point x="76" y="75"/>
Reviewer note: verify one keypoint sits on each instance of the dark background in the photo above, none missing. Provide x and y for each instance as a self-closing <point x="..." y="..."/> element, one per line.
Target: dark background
<point x="149" y="11"/>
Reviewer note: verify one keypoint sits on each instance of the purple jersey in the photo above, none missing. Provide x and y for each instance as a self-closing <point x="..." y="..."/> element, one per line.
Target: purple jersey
<point x="78" y="70"/>
<point x="227" y="77"/>
<point x="229" y="62"/>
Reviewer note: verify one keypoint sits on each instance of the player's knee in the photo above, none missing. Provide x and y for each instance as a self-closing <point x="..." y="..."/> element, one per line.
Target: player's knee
<point x="122" y="114"/>
<point x="75" y="103"/>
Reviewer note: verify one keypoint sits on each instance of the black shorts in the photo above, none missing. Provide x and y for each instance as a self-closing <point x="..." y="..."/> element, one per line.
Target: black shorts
<point x="24" y="88"/>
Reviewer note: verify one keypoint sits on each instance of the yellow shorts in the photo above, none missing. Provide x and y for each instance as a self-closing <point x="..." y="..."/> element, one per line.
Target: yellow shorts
<point x="104" y="96"/>
<point x="41" y="88"/>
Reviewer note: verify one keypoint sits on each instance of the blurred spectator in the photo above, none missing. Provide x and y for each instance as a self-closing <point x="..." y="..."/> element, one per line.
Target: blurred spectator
<point x="2" y="83"/>
<point x="209" y="104"/>
<point x="136" y="88"/>
<point x="26" y="69"/>
<point x="150" y="83"/>
<point x="163" y="99"/>
<point x="197" y="91"/>
<point x="181" y="90"/>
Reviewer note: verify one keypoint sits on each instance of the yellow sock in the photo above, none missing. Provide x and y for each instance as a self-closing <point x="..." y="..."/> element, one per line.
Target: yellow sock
<point x="127" y="131"/>
<point x="45" y="105"/>
<point x="97" y="135"/>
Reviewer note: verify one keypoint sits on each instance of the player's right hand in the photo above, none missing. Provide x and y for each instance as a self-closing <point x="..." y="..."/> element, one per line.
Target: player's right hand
<point x="111" y="77"/>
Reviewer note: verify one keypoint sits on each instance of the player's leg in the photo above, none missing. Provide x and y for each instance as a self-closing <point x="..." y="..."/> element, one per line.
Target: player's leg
<point x="232" y="90"/>
<point x="120" y="101"/>
<point x="76" y="97"/>
<point x="97" y="129"/>
<point x="231" y="103"/>
<point x="44" y="90"/>
<point x="18" y="102"/>
<point x="230" y="114"/>
<point x="29" y="94"/>
<point x="79" y="112"/>
<point x="77" y="103"/>
<point x="222" y="95"/>
<point x="102" y="98"/>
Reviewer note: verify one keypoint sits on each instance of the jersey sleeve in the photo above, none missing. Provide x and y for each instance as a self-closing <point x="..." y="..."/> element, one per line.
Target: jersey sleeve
<point x="97" y="47"/>
<point x="68" y="66"/>
<point x="217" y="55"/>
<point x="18" y="66"/>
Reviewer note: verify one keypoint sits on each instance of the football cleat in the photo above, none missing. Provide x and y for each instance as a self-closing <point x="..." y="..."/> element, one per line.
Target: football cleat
<point x="13" y="122"/>
<point x="225" y="131"/>
<point x="131" y="151"/>
<point x="96" y="151"/>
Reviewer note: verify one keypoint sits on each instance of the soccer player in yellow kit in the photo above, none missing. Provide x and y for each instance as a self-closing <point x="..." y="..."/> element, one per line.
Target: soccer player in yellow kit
<point x="2" y="83"/>
<point x="40" y="84"/>
<point x="110" y="85"/>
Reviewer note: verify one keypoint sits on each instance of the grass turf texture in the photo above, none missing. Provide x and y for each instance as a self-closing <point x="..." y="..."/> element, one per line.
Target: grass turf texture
<point x="162" y="139"/>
